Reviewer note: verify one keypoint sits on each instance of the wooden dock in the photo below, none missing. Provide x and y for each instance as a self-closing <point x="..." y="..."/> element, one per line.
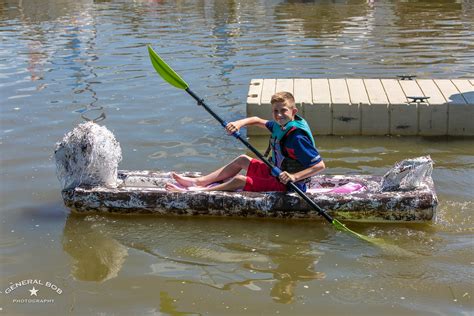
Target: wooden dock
<point x="427" y="107"/>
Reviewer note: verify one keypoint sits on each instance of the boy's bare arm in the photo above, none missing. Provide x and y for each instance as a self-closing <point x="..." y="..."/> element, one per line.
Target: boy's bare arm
<point x="303" y="174"/>
<point x="237" y="125"/>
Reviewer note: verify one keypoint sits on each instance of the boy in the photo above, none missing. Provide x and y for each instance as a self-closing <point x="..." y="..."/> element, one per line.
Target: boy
<point x="293" y="151"/>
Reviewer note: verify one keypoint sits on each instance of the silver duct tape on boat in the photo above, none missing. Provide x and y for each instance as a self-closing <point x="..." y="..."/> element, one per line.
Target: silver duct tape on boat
<point x="88" y="156"/>
<point x="408" y="174"/>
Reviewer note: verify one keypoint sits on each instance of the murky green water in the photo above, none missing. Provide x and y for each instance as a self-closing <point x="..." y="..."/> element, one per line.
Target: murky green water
<point x="61" y="58"/>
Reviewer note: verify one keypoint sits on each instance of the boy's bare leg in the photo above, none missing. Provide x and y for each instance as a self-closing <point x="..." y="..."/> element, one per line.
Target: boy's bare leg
<point x="236" y="183"/>
<point x="228" y="171"/>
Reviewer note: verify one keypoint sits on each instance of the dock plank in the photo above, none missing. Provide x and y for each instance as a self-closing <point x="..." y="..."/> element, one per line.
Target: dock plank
<point x="284" y="85"/>
<point x="449" y="91"/>
<point x="375" y="91"/>
<point x="411" y="89"/>
<point x="339" y="91"/>
<point x="319" y="113"/>
<point x="357" y="92"/>
<point x="394" y="91"/>
<point x="375" y="118"/>
<point x="262" y="108"/>
<point x="403" y="116"/>
<point x="268" y="90"/>
<point x="302" y="91"/>
<point x="320" y="91"/>
<point x="461" y="108"/>
<point x="255" y="91"/>
<point x="433" y="116"/>
<point x="430" y="89"/>
<point x="345" y="115"/>
<point x="466" y="89"/>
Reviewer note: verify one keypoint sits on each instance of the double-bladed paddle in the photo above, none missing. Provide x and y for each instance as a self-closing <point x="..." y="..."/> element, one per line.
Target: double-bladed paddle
<point x="170" y="76"/>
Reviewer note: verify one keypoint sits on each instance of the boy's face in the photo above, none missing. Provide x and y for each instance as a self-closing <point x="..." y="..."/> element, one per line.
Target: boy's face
<point x="283" y="114"/>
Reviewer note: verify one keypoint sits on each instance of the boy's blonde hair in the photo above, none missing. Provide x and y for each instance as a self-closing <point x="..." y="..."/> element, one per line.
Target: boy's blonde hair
<point x="283" y="97"/>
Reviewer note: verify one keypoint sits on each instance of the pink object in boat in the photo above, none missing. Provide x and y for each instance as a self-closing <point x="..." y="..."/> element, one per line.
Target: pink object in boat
<point x="349" y="187"/>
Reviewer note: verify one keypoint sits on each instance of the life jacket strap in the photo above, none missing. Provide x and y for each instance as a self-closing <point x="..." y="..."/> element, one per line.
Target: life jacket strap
<point x="269" y="149"/>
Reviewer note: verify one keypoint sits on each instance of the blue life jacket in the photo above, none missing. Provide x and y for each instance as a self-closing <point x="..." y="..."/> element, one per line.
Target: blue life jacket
<point x="280" y="157"/>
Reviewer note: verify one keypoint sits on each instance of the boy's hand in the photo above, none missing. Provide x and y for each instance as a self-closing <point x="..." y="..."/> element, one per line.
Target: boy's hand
<point x="286" y="177"/>
<point x="232" y="127"/>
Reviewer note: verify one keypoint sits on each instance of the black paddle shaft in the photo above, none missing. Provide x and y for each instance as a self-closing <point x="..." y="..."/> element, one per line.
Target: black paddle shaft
<point x="275" y="171"/>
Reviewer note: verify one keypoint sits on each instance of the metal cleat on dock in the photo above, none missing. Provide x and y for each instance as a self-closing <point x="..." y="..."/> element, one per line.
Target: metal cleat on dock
<point x="417" y="99"/>
<point x="406" y="77"/>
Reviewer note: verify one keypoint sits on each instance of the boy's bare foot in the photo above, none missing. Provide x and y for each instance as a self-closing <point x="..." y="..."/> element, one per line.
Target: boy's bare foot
<point x="184" y="181"/>
<point x="174" y="188"/>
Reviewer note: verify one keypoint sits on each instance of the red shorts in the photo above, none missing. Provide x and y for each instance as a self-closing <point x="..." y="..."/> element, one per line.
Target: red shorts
<point x="260" y="179"/>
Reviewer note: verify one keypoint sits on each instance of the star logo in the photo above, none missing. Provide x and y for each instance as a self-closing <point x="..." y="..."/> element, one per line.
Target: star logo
<point x="33" y="291"/>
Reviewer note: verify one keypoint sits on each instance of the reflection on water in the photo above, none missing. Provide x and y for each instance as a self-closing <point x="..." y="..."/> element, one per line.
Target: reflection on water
<point x="222" y="259"/>
<point x="291" y="266"/>
<point x="274" y="259"/>
<point x="97" y="257"/>
<point x="168" y="305"/>
<point x="326" y="17"/>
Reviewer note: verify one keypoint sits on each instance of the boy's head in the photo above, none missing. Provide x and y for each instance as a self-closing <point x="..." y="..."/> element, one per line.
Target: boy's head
<point x="283" y="107"/>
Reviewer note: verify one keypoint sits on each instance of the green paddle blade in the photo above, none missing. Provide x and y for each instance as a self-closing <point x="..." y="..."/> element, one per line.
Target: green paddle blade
<point x="165" y="71"/>
<point x="340" y="226"/>
<point x="387" y="248"/>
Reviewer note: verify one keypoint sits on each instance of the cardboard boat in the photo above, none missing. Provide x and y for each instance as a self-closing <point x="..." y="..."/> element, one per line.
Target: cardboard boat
<point x="346" y="197"/>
